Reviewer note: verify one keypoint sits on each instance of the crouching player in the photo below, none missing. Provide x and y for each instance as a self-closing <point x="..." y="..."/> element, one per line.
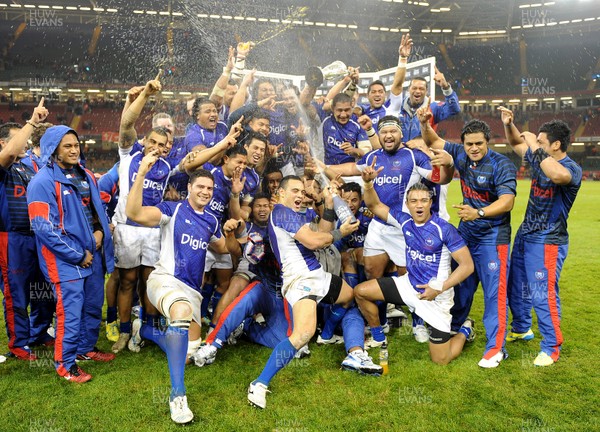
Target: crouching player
<point x="174" y="285"/>
<point x="259" y="278"/>
<point x="305" y="283"/>
<point x="427" y="288"/>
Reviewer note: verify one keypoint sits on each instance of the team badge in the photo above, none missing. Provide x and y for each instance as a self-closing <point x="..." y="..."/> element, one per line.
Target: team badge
<point x="481" y="179"/>
<point x="540" y="274"/>
<point x="429" y="241"/>
<point x="493" y="265"/>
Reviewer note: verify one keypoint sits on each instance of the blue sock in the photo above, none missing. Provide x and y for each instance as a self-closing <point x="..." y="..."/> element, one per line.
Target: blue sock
<point x="378" y="334"/>
<point x="125" y="327"/>
<point x="282" y="354"/>
<point x="174" y="342"/>
<point x="207" y="292"/>
<point x="417" y="320"/>
<point x="351" y="278"/>
<point x="353" y="326"/>
<point x="111" y="314"/>
<point x="337" y="313"/>
<point x="466" y="331"/>
<point x="382" y="307"/>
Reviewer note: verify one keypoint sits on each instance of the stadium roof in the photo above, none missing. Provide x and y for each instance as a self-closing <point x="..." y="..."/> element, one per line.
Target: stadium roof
<point x="444" y="18"/>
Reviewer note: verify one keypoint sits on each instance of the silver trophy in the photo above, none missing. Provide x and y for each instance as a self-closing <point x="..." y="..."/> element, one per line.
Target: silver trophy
<point x="316" y="75"/>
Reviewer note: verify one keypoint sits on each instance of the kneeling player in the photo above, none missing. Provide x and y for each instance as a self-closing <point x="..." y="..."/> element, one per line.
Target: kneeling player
<point x="174" y="286"/>
<point x="427" y="288"/>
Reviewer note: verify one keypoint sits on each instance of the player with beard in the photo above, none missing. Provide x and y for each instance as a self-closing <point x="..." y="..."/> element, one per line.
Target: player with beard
<point x="402" y="167"/>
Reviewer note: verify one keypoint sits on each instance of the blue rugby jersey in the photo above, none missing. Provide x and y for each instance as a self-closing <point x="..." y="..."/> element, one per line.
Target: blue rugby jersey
<point x="428" y="247"/>
<point x="179" y="180"/>
<point x="293" y="257"/>
<point x="219" y="204"/>
<point x="251" y="185"/>
<point x="14" y="214"/>
<point x="185" y="235"/>
<point x="482" y="183"/>
<point x="549" y="204"/>
<point x="401" y="170"/>
<point x="374" y="113"/>
<point x="196" y="135"/>
<point x="155" y="182"/>
<point x="334" y="134"/>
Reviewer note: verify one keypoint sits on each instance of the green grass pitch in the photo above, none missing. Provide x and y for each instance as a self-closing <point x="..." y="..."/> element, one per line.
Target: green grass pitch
<point x="313" y="394"/>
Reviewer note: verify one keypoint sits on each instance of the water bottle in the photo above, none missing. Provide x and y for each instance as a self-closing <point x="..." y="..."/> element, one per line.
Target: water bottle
<point x="340" y="207"/>
<point x="383" y="358"/>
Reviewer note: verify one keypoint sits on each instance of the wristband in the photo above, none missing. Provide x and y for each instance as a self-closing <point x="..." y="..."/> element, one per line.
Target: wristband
<point x="337" y="235"/>
<point x="402" y="61"/>
<point x="226" y="71"/>
<point x="320" y="203"/>
<point x="371" y="132"/>
<point x="242" y="234"/>
<point x="218" y="91"/>
<point x="34" y="125"/>
<point x="328" y="215"/>
<point x="539" y="155"/>
<point x="234" y="195"/>
<point x="368" y="185"/>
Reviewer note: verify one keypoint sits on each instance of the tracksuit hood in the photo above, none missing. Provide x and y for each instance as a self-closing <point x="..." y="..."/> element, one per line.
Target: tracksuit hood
<point x="50" y="141"/>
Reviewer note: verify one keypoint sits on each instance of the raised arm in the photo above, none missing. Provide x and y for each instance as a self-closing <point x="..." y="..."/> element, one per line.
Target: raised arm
<point x="144" y="215"/>
<point x="451" y="106"/>
<point x="127" y="133"/>
<point x="234" y="245"/>
<point x="430" y="137"/>
<point x="557" y="173"/>
<point x="366" y="123"/>
<point x="239" y="99"/>
<point x="404" y="51"/>
<point x="512" y="133"/>
<point x="195" y="159"/>
<point x="220" y="87"/>
<point x="370" y="197"/>
<point x="18" y="143"/>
